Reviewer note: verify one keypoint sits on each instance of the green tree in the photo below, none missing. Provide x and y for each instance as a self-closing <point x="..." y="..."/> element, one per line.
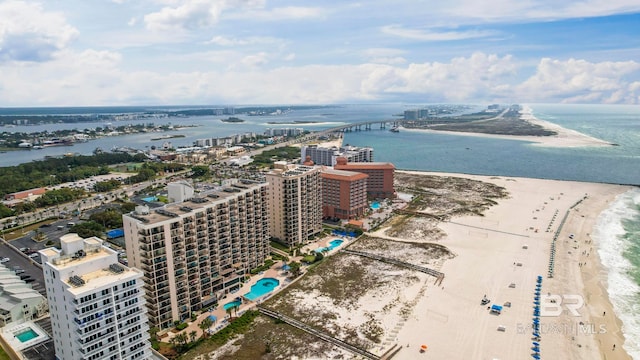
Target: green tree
<point x="295" y="268"/>
<point x="204" y="325"/>
<point x="88" y="229"/>
<point x="200" y="171"/>
<point x="193" y="335"/>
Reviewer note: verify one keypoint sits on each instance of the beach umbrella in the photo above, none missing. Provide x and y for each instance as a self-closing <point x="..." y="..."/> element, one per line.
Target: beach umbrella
<point x="423" y="347"/>
<point x="536" y="356"/>
<point x="536" y="334"/>
<point x="536" y="343"/>
<point x="536" y="349"/>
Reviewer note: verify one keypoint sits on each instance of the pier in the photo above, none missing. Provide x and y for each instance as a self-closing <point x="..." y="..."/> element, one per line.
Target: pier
<point x="438" y="275"/>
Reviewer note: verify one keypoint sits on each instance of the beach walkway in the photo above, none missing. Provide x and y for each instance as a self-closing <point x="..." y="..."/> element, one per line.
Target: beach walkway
<point x="321" y="335"/>
<point x="423" y="269"/>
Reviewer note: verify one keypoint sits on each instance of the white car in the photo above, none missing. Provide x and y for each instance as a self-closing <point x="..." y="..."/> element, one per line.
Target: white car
<point x="34" y="255"/>
<point x="4" y="260"/>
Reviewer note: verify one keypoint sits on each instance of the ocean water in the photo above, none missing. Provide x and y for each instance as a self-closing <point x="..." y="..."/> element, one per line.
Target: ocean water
<point x="617" y="234"/>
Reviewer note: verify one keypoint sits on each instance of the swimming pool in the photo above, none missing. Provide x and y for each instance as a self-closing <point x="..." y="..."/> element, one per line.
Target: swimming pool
<point x="332" y="245"/>
<point x="150" y="199"/>
<point x="231" y="305"/>
<point x="375" y="205"/>
<point x="27" y="335"/>
<point x="262" y="287"/>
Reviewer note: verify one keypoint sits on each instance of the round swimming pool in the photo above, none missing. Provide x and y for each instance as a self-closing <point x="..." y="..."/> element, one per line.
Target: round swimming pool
<point x="375" y="205"/>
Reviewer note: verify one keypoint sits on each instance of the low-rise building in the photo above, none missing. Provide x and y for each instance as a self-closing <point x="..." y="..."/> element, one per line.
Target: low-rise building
<point x="18" y="300"/>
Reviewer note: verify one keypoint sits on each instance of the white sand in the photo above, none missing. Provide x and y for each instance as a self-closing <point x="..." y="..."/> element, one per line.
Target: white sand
<point x="451" y="321"/>
<point x="564" y="138"/>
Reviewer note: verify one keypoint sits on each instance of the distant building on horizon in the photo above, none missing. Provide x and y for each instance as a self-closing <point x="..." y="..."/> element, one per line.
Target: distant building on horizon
<point x="328" y="156"/>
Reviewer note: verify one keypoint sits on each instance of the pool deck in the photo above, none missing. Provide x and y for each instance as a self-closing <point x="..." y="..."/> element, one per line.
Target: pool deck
<point x="275" y="272"/>
<point x="8" y="334"/>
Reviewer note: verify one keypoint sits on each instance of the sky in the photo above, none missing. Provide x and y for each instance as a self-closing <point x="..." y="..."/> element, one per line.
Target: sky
<point x="235" y="52"/>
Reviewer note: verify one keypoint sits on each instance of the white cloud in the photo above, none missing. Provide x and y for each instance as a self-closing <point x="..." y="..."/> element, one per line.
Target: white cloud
<point x="193" y="14"/>
<point x="29" y="33"/>
<point x="255" y="60"/>
<point x="472" y="11"/>
<point x="389" y="56"/>
<point x="252" y="40"/>
<point x="282" y="13"/>
<point x="582" y="81"/>
<point x="96" y="78"/>
<point x="434" y="34"/>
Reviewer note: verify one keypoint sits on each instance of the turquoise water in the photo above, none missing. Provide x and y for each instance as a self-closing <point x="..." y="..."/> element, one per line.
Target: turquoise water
<point x="262" y="287"/>
<point x="27" y="335"/>
<point x="332" y="245"/>
<point x="231" y="305"/>
<point x="375" y="205"/>
<point x="150" y="199"/>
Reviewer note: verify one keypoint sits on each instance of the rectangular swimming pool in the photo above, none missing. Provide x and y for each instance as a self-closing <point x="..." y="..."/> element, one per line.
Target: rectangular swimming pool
<point x="27" y="335"/>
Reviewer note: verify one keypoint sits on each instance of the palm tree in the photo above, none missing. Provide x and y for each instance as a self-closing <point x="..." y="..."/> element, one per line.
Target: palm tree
<point x="295" y="268"/>
<point x="192" y="335"/>
<point x="229" y="310"/>
<point x="181" y="339"/>
<point x="204" y="325"/>
<point x="235" y="308"/>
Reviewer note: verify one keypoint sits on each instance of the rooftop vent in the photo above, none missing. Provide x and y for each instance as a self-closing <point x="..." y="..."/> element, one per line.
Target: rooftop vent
<point x="76" y="281"/>
<point x="116" y="268"/>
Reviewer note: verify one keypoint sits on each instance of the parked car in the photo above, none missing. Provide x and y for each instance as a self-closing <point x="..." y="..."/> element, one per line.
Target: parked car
<point x="29" y="280"/>
<point x="18" y="270"/>
<point x="4" y="260"/>
<point x="34" y="255"/>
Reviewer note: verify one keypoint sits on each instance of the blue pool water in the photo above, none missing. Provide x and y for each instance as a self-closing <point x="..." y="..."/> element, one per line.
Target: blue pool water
<point x="231" y="305"/>
<point x="150" y="199"/>
<point x="332" y="245"/>
<point x="262" y="287"/>
<point x="27" y="335"/>
<point x="375" y="205"/>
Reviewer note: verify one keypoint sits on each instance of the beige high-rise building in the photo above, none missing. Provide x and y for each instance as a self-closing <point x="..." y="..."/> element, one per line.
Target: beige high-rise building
<point x="295" y="202"/>
<point x="194" y="252"/>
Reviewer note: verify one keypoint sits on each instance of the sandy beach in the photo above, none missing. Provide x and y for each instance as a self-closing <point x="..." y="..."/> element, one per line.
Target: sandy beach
<point x="564" y="138"/>
<point x="511" y="245"/>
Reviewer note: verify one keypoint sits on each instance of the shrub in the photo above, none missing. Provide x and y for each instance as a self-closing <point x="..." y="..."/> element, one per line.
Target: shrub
<point x="181" y="326"/>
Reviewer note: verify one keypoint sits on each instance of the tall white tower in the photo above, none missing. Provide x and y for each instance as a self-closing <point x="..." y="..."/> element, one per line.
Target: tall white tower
<point x="96" y="304"/>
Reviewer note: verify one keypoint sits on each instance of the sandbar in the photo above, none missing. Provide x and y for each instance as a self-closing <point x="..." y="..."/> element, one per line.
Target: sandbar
<point x="564" y="137"/>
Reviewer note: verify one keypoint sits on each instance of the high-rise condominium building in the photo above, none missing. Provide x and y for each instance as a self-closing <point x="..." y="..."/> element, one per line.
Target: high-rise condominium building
<point x="96" y="304"/>
<point x="295" y="202"/>
<point x="194" y="252"/>
<point x="344" y="193"/>
<point x="380" y="181"/>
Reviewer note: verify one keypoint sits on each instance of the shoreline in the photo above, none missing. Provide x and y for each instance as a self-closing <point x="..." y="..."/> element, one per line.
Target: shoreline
<point x="475" y="238"/>
<point x="565" y="138"/>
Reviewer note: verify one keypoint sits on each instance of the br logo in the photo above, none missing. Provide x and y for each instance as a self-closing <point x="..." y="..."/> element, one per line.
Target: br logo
<point x="553" y="304"/>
